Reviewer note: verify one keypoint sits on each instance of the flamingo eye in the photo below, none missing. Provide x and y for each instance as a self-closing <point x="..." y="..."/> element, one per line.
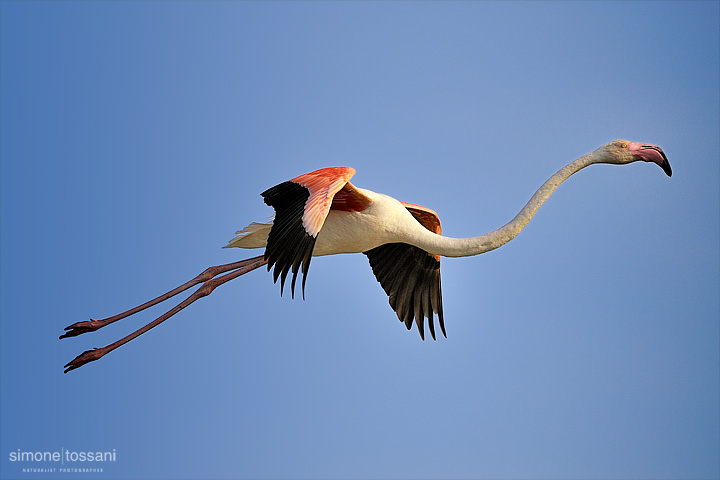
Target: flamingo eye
<point x="625" y="145"/>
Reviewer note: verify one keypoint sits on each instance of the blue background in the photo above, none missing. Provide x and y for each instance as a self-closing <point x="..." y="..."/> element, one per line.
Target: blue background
<point x="137" y="136"/>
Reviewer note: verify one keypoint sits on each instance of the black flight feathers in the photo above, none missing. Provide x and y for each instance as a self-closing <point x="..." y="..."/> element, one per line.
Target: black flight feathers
<point x="288" y="244"/>
<point x="411" y="278"/>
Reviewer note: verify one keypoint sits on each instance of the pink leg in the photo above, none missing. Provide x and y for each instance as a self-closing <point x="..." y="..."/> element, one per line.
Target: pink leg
<point x="92" y="325"/>
<point x="205" y="290"/>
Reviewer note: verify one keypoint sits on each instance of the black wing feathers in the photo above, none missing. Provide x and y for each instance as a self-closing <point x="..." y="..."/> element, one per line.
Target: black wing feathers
<point x="411" y="278"/>
<point x="288" y="245"/>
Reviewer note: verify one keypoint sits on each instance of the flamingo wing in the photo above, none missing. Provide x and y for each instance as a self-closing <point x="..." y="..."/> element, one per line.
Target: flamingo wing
<point x="411" y="276"/>
<point x="301" y="207"/>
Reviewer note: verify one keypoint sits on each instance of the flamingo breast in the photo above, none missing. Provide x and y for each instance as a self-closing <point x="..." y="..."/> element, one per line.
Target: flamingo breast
<point x="385" y="220"/>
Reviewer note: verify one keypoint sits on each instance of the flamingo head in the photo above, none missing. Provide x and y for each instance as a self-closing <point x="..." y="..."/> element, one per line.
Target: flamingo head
<point x="623" y="151"/>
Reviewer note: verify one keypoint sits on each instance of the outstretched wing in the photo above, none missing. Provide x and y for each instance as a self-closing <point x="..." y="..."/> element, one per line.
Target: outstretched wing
<point x="301" y="206"/>
<point x="411" y="276"/>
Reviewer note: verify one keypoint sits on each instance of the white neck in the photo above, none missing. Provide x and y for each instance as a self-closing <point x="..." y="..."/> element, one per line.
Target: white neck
<point x="465" y="247"/>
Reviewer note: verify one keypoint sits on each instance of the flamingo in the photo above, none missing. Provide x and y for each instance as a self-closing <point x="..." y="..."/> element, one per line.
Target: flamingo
<point x="322" y="213"/>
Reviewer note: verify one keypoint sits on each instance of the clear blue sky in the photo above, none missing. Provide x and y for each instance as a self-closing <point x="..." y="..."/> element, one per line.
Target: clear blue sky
<point x="137" y="136"/>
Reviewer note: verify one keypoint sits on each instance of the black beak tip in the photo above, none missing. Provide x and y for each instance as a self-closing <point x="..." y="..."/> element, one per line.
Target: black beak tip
<point x="666" y="168"/>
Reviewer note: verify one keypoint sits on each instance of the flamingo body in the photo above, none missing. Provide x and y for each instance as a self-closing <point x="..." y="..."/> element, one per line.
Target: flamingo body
<point x="322" y="213"/>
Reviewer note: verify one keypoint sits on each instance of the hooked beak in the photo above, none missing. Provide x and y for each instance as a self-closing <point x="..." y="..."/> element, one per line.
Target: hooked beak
<point x="664" y="164"/>
<point x="651" y="153"/>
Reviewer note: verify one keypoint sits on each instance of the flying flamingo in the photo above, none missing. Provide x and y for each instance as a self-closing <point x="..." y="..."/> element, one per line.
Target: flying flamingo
<point x="322" y="213"/>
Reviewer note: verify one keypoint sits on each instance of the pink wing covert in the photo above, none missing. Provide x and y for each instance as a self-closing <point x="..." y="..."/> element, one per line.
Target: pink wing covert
<point x="322" y="184"/>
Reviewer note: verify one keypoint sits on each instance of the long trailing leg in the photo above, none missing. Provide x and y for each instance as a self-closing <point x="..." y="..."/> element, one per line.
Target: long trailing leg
<point x="205" y="290"/>
<point x="92" y="325"/>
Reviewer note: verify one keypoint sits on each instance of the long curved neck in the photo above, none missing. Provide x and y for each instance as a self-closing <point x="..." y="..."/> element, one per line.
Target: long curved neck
<point x="465" y="247"/>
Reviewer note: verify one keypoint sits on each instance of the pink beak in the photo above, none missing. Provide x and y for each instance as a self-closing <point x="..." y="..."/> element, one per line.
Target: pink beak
<point x="651" y="153"/>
